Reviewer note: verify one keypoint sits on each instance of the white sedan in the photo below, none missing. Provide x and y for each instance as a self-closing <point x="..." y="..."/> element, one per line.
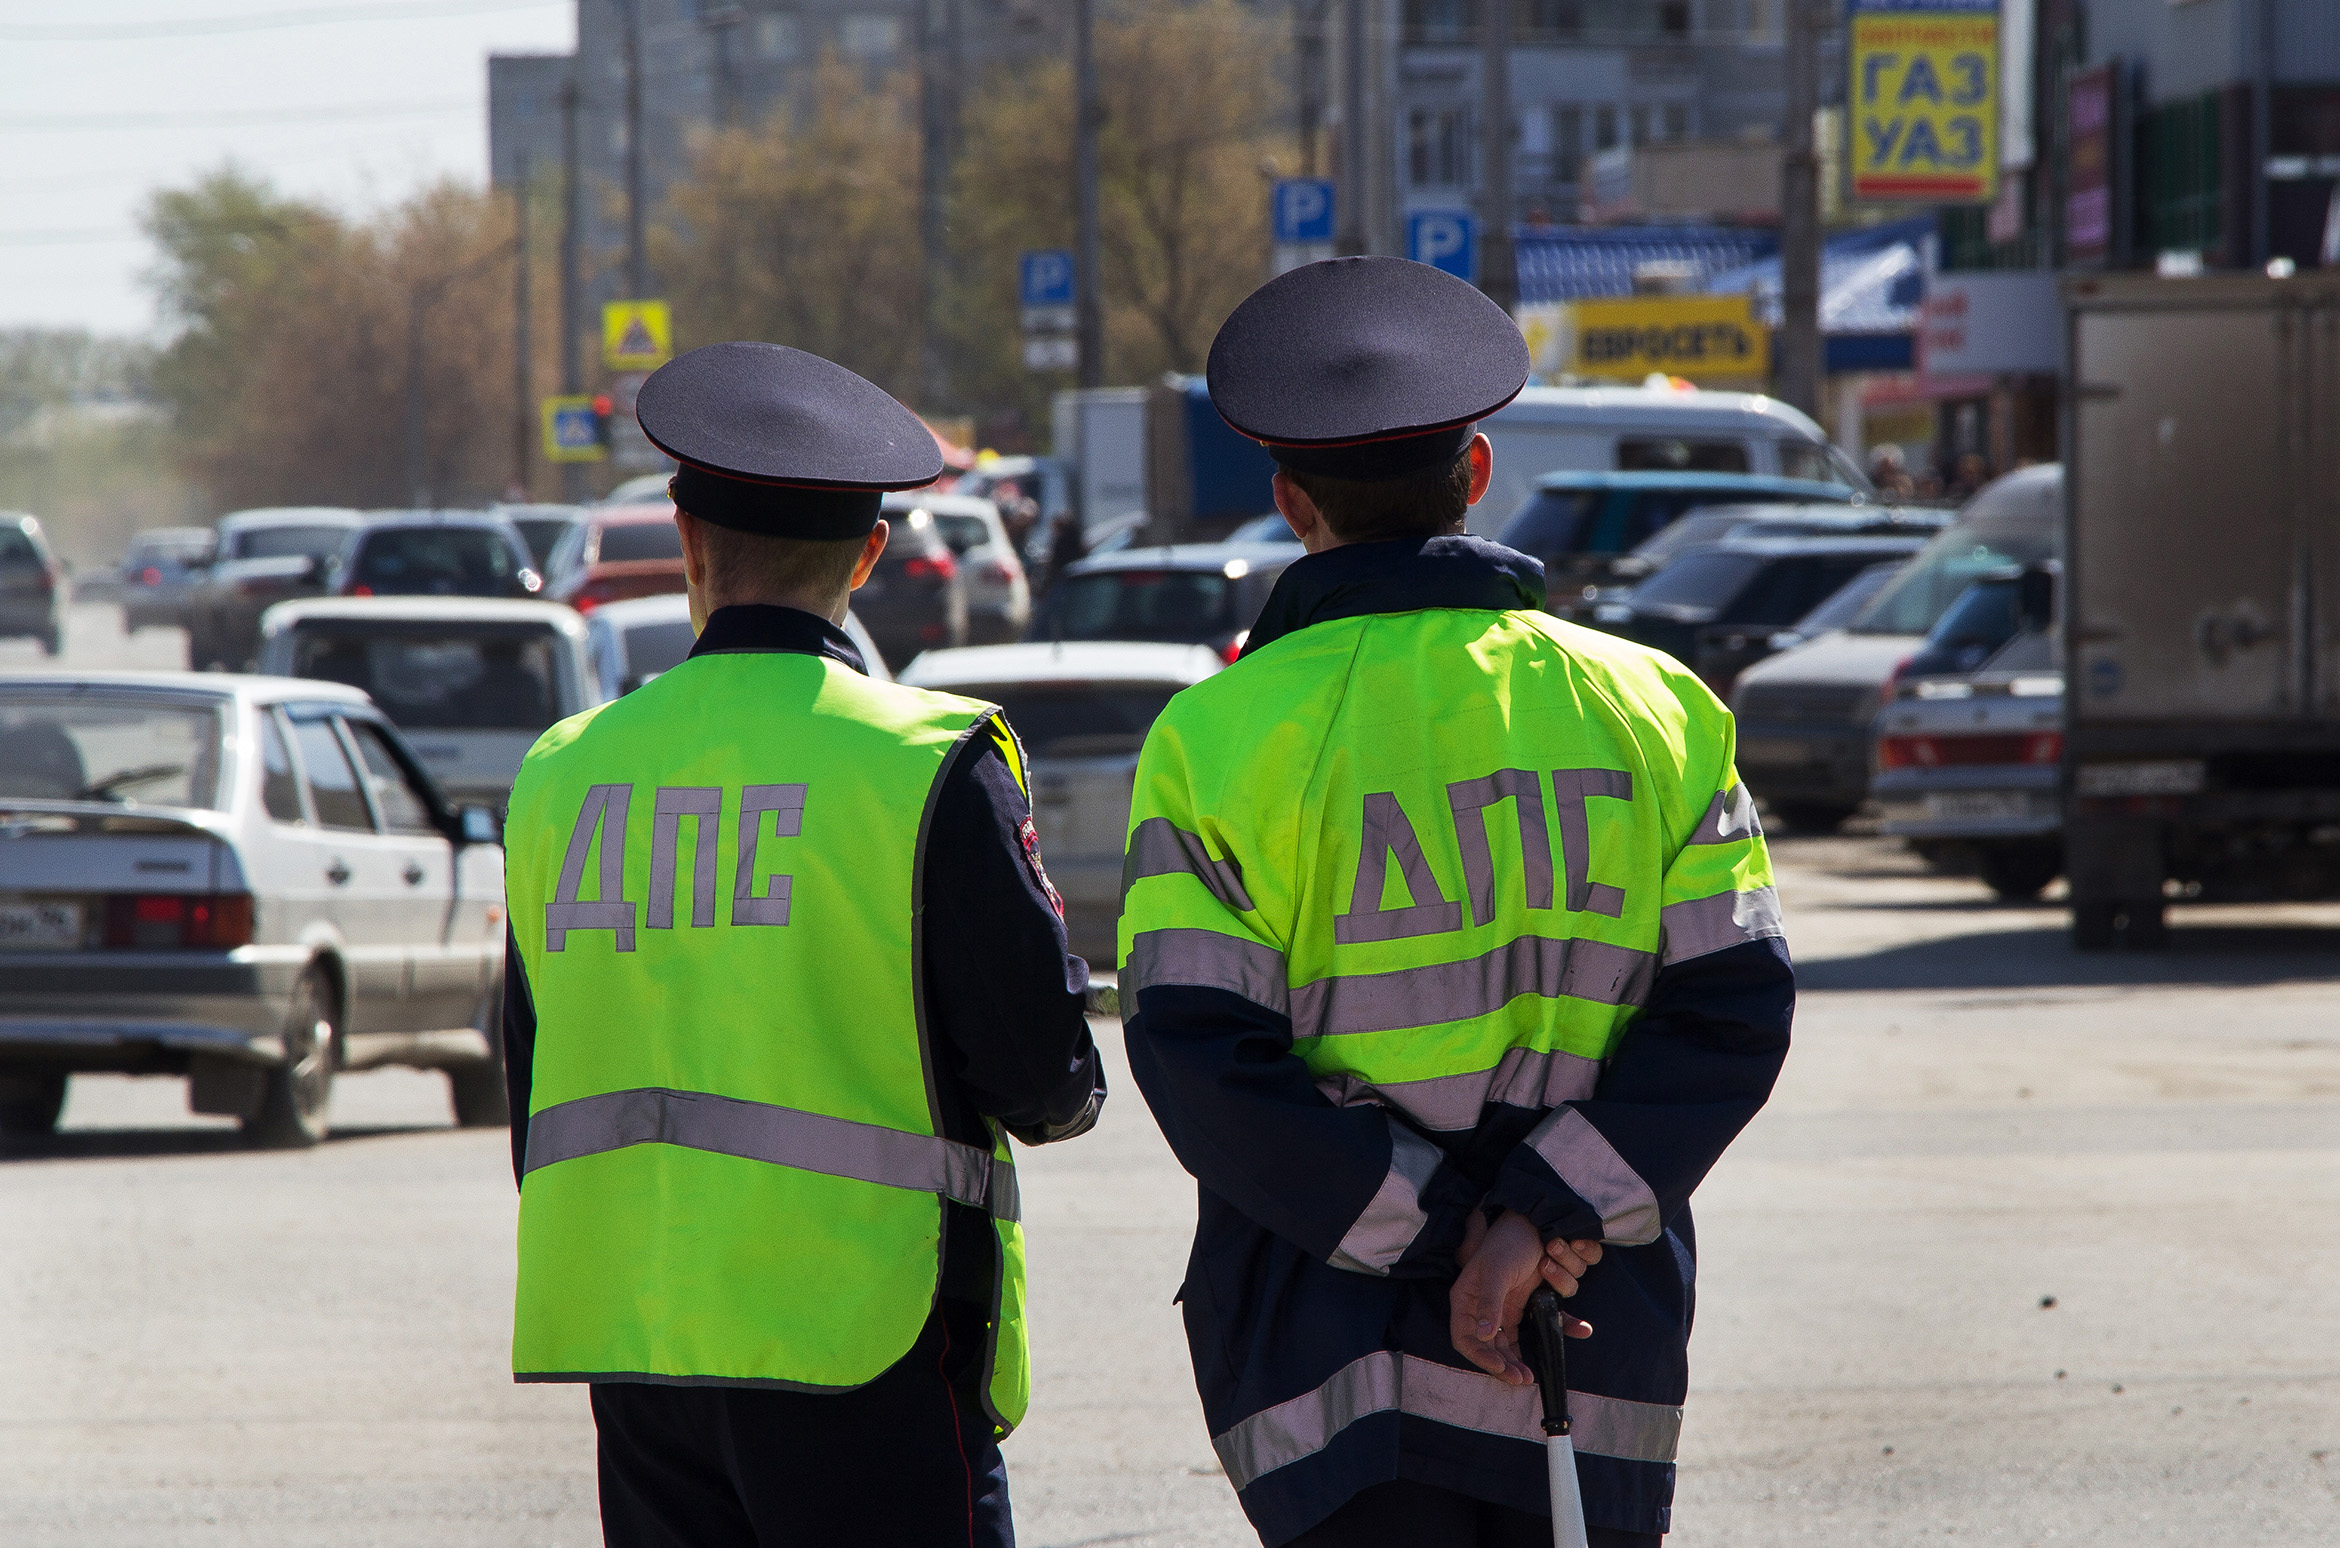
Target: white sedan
<point x="246" y="881"/>
<point x="1082" y="710"/>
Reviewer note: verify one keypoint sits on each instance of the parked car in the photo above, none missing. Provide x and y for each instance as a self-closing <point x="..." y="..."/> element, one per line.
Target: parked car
<point x="1271" y="528"/>
<point x="541" y="526"/>
<point x="631" y="642"/>
<point x="999" y="599"/>
<point x="1806" y="716"/>
<point x="1971" y="742"/>
<point x="1713" y="523"/>
<point x="159" y="568"/>
<point x="1584" y="525"/>
<point x="32" y="584"/>
<point x="1713" y="608"/>
<point x="916" y="598"/>
<point x="1831" y="615"/>
<point x="1082" y="711"/>
<point x="472" y="681"/>
<point x="617" y="551"/>
<point x="1204" y="594"/>
<point x="434" y="554"/>
<point x="263" y="557"/>
<point x="249" y="882"/>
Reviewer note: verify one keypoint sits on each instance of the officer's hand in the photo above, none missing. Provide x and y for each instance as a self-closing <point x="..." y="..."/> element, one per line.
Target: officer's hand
<point x="1566" y="1262"/>
<point x="1490" y="1297"/>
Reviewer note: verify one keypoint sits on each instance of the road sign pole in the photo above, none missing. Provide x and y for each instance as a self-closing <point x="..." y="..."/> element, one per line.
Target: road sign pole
<point x="1088" y="280"/>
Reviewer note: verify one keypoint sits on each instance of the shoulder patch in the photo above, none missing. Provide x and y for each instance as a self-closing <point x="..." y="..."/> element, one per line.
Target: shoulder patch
<point x="1029" y="837"/>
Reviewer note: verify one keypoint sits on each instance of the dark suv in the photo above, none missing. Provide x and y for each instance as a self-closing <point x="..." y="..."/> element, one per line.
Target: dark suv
<point x="32" y="584"/>
<point x="435" y="554"/>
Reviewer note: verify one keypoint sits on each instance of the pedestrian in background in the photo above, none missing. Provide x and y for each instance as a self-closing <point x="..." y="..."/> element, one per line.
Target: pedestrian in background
<point x="784" y="973"/>
<point x="1451" y="960"/>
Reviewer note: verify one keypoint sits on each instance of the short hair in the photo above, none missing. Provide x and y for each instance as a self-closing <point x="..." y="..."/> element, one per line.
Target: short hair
<point x="752" y="564"/>
<point x="1430" y="503"/>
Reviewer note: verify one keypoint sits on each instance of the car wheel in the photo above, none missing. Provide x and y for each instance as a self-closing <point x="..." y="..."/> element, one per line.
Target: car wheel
<point x="298" y="1093"/>
<point x="2020" y="872"/>
<point x="2095" y="924"/>
<point x="1813" y="816"/>
<point x="478" y="1089"/>
<point x="30" y="1105"/>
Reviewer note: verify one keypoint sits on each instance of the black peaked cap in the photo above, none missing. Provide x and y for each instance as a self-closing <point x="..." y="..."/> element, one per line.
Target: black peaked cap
<point x="1365" y="367"/>
<point x="777" y="441"/>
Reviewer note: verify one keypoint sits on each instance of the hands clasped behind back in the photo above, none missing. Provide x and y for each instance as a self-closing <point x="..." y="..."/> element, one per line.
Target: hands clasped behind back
<point x="1502" y="1265"/>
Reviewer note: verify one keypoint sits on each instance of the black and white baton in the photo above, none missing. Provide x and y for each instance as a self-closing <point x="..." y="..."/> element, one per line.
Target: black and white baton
<point x="1543" y="1340"/>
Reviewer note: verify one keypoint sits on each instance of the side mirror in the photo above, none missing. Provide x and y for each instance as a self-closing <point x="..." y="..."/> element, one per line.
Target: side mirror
<point x="478" y="825"/>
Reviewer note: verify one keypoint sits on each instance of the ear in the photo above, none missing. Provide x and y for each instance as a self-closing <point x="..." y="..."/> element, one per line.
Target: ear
<point x="870" y="551"/>
<point x="694" y="550"/>
<point x="1299" y="511"/>
<point x="1482" y="453"/>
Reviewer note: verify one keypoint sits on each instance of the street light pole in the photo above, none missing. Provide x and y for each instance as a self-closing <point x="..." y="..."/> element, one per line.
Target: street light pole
<point x="1352" y="181"/>
<point x="1799" y="212"/>
<point x="1088" y="113"/>
<point x="574" y="481"/>
<point x="637" y="238"/>
<point x="1498" y="272"/>
<point x="522" y="348"/>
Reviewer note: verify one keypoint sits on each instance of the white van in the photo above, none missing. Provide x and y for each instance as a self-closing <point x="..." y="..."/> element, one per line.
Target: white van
<point x="472" y="681"/>
<point x="1657" y="429"/>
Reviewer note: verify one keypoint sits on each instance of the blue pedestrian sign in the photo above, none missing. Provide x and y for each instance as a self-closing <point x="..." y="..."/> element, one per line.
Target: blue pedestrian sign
<point x="1047" y="277"/>
<point x="1444" y="239"/>
<point x="1303" y="211"/>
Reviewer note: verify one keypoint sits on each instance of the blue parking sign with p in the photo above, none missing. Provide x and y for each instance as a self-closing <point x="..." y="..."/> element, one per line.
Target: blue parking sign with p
<point x="1444" y="239"/>
<point x="1304" y="210"/>
<point x="1046" y="277"/>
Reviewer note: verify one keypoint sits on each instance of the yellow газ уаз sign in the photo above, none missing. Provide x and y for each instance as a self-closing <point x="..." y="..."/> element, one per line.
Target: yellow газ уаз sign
<point x="1698" y="337"/>
<point x="1924" y="93"/>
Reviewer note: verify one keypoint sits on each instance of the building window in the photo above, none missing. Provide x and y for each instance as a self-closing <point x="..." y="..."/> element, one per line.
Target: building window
<point x="1441" y="21"/>
<point x="866" y="36"/>
<point x="1604" y="128"/>
<point x="1438" y="147"/>
<point x="2184" y="165"/>
<point x="779" y="37"/>
<point x="1567" y="143"/>
<point x="1676" y="122"/>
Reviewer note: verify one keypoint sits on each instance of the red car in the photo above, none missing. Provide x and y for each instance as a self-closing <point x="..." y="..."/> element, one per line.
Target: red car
<point x="617" y="551"/>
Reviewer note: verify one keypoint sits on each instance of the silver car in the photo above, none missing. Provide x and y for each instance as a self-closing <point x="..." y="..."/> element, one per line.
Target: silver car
<point x="472" y="681"/>
<point x="631" y="642"/>
<point x="245" y="881"/>
<point x="1082" y="710"/>
<point x="999" y="597"/>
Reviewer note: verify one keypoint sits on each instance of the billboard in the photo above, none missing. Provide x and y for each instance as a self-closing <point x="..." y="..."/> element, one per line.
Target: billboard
<point x="1924" y="96"/>
<point x="1697" y="337"/>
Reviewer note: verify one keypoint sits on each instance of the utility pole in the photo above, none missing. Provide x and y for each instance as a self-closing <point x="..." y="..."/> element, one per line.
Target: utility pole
<point x="637" y="236"/>
<point x="721" y="23"/>
<point x="523" y="422"/>
<point x="573" y="474"/>
<point x="1089" y="305"/>
<point x="938" y="125"/>
<point x="1351" y="187"/>
<point x="1498" y="272"/>
<point x="1799" y="212"/>
<point x="1308" y="60"/>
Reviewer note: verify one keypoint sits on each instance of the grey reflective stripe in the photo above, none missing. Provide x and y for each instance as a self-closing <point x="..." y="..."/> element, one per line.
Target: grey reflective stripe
<point x="1717" y="923"/>
<point x="1159" y="847"/>
<point x="783" y="1136"/>
<point x="1589" y="1164"/>
<point x="1387" y="1381"/>
<point x="1385" y="1002"/>
<point x="1730" y="819"/>
<point x="1571" y="788"/>
<point x="1394" y="1216"/>
<point x="675" y="802"/>
<point x="1446" y="1104"/>
<point x="786" y="803"/>
<point x="604" y="808"/>
<point x="1470" y="798"/>
<point x="1387" y="831"/>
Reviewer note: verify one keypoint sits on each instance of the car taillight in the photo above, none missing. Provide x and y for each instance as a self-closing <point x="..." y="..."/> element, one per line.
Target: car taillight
<point x="938" y="566"/>
<point x="999" y="572"/>
<point x="1234" y="647"/>
<point x="1937" y="752"/>
<point x="589" y="597"/>
<point x="150" y="576"/>
<point x="1892" y="688"/>
<point x="169" y="920"/>
<point x="361" y="591"/>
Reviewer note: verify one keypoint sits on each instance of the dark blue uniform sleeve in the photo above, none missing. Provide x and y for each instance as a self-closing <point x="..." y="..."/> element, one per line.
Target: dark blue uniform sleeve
<point x="519" y="1020"/>
<point x="1693" y="1068"/>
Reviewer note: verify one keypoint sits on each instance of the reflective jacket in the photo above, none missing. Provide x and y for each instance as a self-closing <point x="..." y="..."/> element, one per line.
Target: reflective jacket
<point x="1428" y="898"/>
<point x="701" y="1207"/>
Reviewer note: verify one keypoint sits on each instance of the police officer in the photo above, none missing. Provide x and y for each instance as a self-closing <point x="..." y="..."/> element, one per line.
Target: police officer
<point x="1453" y="958"/>
<point x="784" y="972"/>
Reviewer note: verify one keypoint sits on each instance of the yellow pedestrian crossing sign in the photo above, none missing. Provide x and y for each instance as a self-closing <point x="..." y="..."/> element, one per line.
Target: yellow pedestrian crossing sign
<point x="636" y="335"/>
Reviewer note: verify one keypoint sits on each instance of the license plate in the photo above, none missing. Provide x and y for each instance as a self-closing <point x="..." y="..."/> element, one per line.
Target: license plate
<point x="1772" y="752"/>
<point x="40" y="926"/>
<point x="1977" y="806"/>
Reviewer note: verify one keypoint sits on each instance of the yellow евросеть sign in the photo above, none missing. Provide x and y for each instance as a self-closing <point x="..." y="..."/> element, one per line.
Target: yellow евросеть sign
<point x="1689" y="336"/>
<point x="1925" y="105"/>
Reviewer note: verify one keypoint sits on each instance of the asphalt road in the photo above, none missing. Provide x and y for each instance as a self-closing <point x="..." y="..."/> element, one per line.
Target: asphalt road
<point x="2030" y="1248"/>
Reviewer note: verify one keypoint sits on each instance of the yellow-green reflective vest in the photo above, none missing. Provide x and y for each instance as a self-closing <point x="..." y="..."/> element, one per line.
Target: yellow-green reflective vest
<point x="1454" y="847"/>
<point x="735" y="1171"/>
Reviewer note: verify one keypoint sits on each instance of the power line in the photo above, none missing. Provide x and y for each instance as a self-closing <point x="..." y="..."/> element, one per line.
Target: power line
<point x="259" y="21"/>
<point x="233" y="117"/>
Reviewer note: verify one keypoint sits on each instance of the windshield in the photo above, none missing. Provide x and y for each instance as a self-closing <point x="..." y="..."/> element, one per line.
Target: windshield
<point x="181" y="550"/>
<point x="1843" y="607"/>
<point x="659" y="647"/>
<point x="439" y="678"/>
<point x="290" y="542"/>
<point x="436" y="562"/>
<point x="962" y="533"/>
<point x="540" y="533"/>
<point x="1944" y="568"/>
<point x="17" y="548"/>
<point x="108" y="747"/>
<point x="1551" y="522"/>
<point x="1690" y="532"/>
<point x="1078" y="720"/>
<point x="1183" y="607"/>
<point x="640" y="540"/>
<point x="1706" y="579"/>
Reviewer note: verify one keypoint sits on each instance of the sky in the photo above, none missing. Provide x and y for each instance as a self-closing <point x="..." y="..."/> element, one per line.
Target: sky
<point x="355" y="102"/>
